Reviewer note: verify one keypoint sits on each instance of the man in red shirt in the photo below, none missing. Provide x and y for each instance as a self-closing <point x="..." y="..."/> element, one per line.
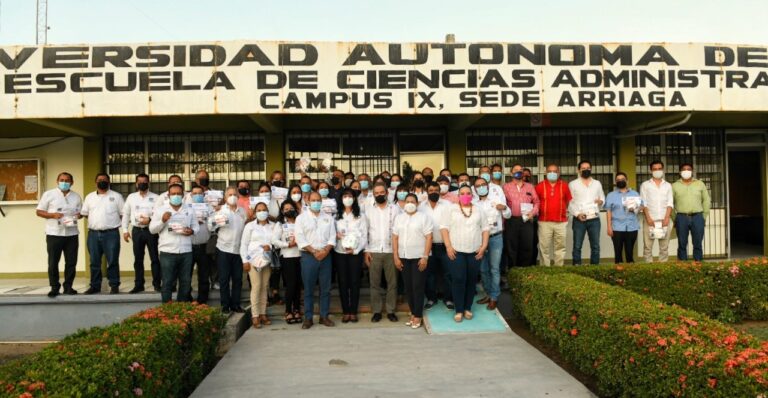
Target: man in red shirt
<point x="523" y="201"/>
<point x="555" y="196"/>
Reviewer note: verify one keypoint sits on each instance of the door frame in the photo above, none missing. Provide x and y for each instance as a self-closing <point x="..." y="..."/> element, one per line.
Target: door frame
<point x="760" y="148"/>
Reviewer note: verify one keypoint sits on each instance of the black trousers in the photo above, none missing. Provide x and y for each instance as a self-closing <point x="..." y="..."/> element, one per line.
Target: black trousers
<point x="415" y="282"/>
<point x="203" y="260"/>
<point x="624" y="241"/>
<point x="143" y="238"/>
<point x="291" y="271"/>
<point x="57" y="245"/>
<point x="519" y="242"/>
<point x="349" y="268"/>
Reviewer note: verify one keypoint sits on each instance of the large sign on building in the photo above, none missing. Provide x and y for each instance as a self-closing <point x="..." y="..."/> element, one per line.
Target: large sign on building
<point x="245" y="77"/>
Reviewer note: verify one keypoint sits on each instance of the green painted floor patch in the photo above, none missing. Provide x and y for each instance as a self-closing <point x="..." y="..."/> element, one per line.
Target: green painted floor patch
<point x="439" y="320"/>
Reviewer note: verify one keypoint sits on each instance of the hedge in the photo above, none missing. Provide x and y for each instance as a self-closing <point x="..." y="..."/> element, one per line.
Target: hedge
<point x="637" y="346"/>
<point x="160" y="352"/>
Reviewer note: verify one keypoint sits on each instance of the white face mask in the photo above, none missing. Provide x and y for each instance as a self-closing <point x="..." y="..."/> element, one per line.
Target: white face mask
<point x="410" y="208"/>
<point x="658" y="174"/>
<point x="296" y="197"/>
<point x="686" y="174"/>
<point x="264" y="194"/>
<point x="262" y="215"/>
<point x="348" y="201"/>
<point x="444" y="188"/>
<point x="232" y="200"/>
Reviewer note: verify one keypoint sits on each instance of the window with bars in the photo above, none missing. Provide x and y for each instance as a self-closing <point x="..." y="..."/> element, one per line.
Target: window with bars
<point x="535" y="149"/>
<point x="226" y="157"/>
<point x="359" y="151"/>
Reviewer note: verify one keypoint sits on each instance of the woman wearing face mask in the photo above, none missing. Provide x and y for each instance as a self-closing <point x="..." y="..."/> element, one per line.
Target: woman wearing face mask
<point x="400" y="194"/>
<point x="230" y="221"/>
<point x="305" y="184"/>
<point x="351" y="239"/>
<point x="621" y="217"/>
<point x="290" y="266"/>
<point x="465" y="235"/>
<point x="395" y="181"/>
<point x="244" y="197"/>
<point x="294" y="193"/>
<point x="255" y="253"/>
<point x="411" y="245"/>
<point x="355" y="187"/>
<point x="265" y="192"/>
<point x="419" y="189"/>
<point x="349" y="177"/>
<point x="324" y="189"/>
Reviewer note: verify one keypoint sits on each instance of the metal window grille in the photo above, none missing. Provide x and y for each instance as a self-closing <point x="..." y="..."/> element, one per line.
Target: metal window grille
<point x="226" y="157"/>
<point x="535" y="149"/>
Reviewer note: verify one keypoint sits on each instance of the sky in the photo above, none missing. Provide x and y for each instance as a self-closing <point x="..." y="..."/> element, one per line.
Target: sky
<point x="133" y="21"/>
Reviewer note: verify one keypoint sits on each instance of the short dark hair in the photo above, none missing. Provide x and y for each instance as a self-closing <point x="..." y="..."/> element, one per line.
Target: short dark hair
<point x="656" y="161"/>
<point x="412" y="195"/>
<point x="515" y="165"/>
<point x="686" y="164"/>
<point x="100" y="175"/>
<point x="175" y="175"/>
<point x="621" y="173"/>
<point x="433" y="184"/>
<point x="175" y="185"/>
<point x="64" y="173"/>
<point x="142" y="175"/>
<point x="582" y="162"/>
<point x="495" y="165"/>
<point x="237" y="184"/>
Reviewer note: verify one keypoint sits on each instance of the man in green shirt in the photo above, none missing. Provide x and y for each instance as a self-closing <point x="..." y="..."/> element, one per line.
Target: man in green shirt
<point x="692" y="204"/>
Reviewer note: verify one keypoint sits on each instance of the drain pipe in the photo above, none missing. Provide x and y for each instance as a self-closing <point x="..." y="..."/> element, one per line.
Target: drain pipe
<point x="644" y="130"/>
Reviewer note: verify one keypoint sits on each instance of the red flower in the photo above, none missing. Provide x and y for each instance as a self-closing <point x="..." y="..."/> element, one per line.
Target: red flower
<point x="682" y="379"/>
<point x="662" y="342"/>
<point x="574" y="332"/>
<point x="712" y="382"/>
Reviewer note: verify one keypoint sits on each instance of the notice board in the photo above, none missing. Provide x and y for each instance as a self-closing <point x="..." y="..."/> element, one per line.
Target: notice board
<point x="21" y="179"/>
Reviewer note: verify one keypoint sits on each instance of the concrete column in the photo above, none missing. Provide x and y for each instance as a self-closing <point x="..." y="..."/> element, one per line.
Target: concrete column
<point x="274" y="151"/>
<point x="457" y="150"/>
<point x="625" y="153"/>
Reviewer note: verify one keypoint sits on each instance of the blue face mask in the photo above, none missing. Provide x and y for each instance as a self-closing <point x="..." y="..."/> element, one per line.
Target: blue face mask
<point x="198" y="198"/>
<point x="394" y="184"/>
<point x="364" y="184"/>
<point x="552" y="176"/>
<point x="175" y="200"/>
<point x="306" y="188"/>
<point x="486" y="177"/>
<point x="517" y="175"/>
<point x="316" y="206"/>
<point x="401" y="195"/>
<point x="64" y="186"/>
<point x="482" y="190"/>
<point x="497" y="175"/>
<point x="323" y="192"/>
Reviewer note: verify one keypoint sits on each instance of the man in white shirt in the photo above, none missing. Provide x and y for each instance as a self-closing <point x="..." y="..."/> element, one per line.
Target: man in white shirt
<point x="136" y="216"/>
<point x="315" y="235"/>
<point x="495" y="212"/>
<point x="163" y="197"/>
<point x="378" y="254"/>
<point x="438" y="273"/>
<point x="658" y="202"/>
<point x="61" y="209"/>
<point x="588" y="198"/>
<point x="175" y="224"/>
<point x="104" y="207"/>
<point x="200" y="256"/>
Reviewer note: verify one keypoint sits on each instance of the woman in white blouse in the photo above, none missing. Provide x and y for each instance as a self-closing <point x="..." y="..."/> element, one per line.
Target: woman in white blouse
<point x="465" y="234"/>
<point x="411" y="244"/>
<point x="290" y="259"/>
<point x="351" y="239"/>
<point x="230" y="221"/>
<point x="256" y="254"/>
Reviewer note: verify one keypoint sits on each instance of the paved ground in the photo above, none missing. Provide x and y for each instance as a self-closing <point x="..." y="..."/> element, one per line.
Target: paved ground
<point x="384" y="360"/>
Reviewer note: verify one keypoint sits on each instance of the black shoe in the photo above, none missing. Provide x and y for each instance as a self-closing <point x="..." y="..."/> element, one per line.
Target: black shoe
<point x="307" y="324"/>
<point x="392" y="317"/>
<point x="449" y="305"/>
<point x="429" y="304"/>
<point x="114" y="290"/>
<point x="53" y="293"/>
<point x="136" y="289"/>
<point x="92" y="290"/>
<point x="239" y="310"/>
<point x="376" y="317"/>
<point x="70" y="291"/>
<point x="226" y="311"/>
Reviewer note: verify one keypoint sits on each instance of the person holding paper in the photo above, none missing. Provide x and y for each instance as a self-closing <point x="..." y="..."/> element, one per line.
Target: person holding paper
<point x="256" y="255"/>
<point x="104" y="207"/>
<point x="284" y="238"/>
<point x="523" y="202"/>
<point x="175" y="224"/>
<point x="329" y="203"/>
<point x="298" y="198"/>
<point x="692" y="205"/>
<point x="200" y="256"/>
<point x="136" y="217"/>
<point x="60" y="207"/>
<point x="496" y="212"/>
<point x="588" y="197"/>
<point x="554" y="197"/>
<point x="351" y="239"/>
<point x="622" y="207"/>
<point x="265" y="196"/>
<point x="229" y="222"/>
<point x="658" y="203"/>
<point x="244" y="198"/>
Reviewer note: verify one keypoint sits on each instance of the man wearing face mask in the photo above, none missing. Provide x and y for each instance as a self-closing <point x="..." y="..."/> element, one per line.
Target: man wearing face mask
<point x="428" y="174"/>
<point x="445" y="190"/>
<point x="366" y="195"/>
<point x="497" y="175"/>
<point x="337" y="184"/>
<point x="277" y="179"/>
<point x="244" y="197"/>
<point x="588" y="198"/>
<point x="496" y="213"/>
<point x="349" y="177"/>
<point x="136" y="217"/>
<point x="175" y="224"/>
<point x="658" y="203"/>
<point x="692" y="204"/>
<point x="60" y="207"/>
<point x="463" y="179"/>
<point x="528" y="177"/>
<point x="438" y="273"/>
<point x="523" y="202"/>
<point x="380" y="217"/>
<point x="495" y="191"/>
<point x="103" y="209"/>
<point x="554" y="197"/>
<point x="163" y="197"/>
<point x="200" y="254"/>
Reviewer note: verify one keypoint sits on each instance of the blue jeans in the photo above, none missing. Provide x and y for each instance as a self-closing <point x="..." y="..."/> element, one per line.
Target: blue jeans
<point x="230" y="269"/>
<point x="175" y="266"/>
<point x="463" y="280"/>
<point x="104" y="243"/>
<point x="695" y="226"/>
<point x="312" y="271"/>
<point x="438" y="270"/>
<point x="489" y="266"/>
<point x="591" y="228"/>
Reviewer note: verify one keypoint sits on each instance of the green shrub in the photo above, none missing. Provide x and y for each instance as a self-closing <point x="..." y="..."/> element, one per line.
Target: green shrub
<point x="637" y="346"/>
<point x="160" y="352"/>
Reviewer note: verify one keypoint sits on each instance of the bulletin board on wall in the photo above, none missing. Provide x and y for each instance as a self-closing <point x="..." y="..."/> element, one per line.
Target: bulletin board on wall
<point x="20" y="181"/>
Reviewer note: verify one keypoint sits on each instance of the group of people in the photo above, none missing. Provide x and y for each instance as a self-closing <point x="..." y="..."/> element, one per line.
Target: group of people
<point x="430" y="237"/>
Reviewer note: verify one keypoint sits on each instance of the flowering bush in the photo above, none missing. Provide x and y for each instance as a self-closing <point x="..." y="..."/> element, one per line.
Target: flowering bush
<point x="635" y="345"/>
<point x="160" y="352"/>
